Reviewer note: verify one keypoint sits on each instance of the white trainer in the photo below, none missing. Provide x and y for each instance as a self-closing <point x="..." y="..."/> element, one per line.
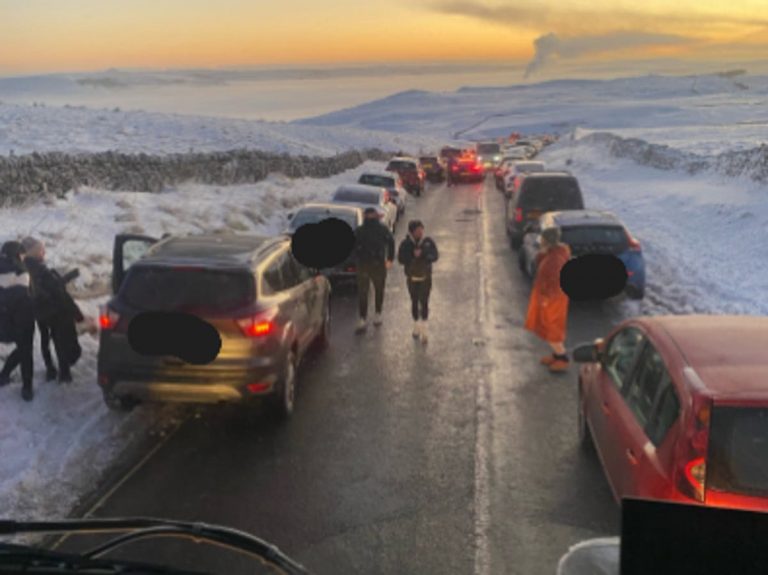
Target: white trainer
<point x="416" y="329"/>
<point x="424" y="336"/>
<point x="377" y="319"/>
<point x="362" y="325"/>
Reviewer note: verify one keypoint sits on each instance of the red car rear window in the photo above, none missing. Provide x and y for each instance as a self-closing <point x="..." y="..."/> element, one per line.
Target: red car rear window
<point x="738" y="451"/>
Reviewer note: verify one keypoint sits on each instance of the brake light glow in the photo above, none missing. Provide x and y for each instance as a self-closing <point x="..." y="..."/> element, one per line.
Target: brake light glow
<point x="519" y="214"/>
<point x="692" y="480"/>
<point x="108" y="318"/>
<point x="259" y="387"/>
<point x="259" y="325"/>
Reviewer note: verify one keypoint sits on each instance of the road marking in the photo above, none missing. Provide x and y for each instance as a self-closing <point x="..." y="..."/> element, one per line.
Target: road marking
<point x="131" y="472"/>
<point x="483" y="437"/>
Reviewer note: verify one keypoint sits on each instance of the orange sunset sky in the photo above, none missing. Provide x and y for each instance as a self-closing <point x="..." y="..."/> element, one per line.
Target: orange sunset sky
<point x="81" y="35"/>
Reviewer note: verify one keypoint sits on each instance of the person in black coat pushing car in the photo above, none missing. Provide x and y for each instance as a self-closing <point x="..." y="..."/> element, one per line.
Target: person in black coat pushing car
<point x="17" y="317"/>
<point x="55" y="310"/>
<point x="417" y="253"/>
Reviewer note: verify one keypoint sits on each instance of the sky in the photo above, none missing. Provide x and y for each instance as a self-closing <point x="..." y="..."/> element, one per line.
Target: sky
<point x="40" y="36"/>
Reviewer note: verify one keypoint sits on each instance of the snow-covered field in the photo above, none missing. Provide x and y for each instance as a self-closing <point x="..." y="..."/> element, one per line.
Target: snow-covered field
<point x="702" y="234"/>
<point x="54" y="449"/>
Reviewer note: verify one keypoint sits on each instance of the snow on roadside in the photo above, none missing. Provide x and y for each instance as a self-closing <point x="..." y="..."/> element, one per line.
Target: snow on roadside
<point x="55" y="448"/>
<point x="702" y="235"/>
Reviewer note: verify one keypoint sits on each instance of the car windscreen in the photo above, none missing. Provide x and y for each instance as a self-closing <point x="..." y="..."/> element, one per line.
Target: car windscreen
<point x="191" y="288"/>
<point x="612" y="237"/>
<point x="738" y="450"/>
<point x="315" y="216"/>
<point x="428" y="160"/>
<point x="450" y="152"/>
<point x="355" y="197"/>
<point x="398" y="165"/>
<point x="550" y="194"/>
<point x="376" y="180"/>
<point x="488" y="148"/>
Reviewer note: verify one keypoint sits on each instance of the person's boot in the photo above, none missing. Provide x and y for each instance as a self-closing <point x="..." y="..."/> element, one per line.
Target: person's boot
<point x="560" y="364"/>
<point x="423" y="335"/>
<point x="27" y="393"/>
<point x="377" y="319"/>
<point x="362" y="325"/>
<point x="4" y="379"/>
<point x="65" y="377"/>
<point x="416" y="329"/>
<point x="51" y="373"/>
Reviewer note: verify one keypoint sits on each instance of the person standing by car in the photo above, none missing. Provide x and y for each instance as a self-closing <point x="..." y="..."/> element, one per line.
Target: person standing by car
<point x="548" y="306"/>
<point x="374" y="253"/>
<point x="17" y="317"/>
<point x="417" y="254"/>
<point x="450" y="169"/>
<point x="54" y="307"/>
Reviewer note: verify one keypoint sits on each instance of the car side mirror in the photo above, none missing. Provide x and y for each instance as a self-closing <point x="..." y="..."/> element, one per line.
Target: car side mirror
<point x="589" y="352"/>
<point x="290" y="216"/>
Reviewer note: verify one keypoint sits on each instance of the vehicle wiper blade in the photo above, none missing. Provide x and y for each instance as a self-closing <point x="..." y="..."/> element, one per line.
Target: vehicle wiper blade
<point x="145" y="527"/>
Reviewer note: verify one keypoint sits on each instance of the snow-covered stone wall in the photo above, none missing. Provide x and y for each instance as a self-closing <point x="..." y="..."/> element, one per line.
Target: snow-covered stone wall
<point x="25" y="178"/>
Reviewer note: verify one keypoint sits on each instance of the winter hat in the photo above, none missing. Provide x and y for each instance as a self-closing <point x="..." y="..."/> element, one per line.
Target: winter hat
<point x="551" y="235"/>
<point x="413" y="225"/>
<point x="31" y="245"/>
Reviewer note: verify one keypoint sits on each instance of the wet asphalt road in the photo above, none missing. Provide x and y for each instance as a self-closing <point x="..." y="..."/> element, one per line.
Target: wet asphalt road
<point x="459" y="457"/>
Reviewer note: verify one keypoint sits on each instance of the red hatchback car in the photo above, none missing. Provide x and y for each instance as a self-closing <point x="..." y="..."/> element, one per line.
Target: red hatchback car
<point x="677" y="408"/>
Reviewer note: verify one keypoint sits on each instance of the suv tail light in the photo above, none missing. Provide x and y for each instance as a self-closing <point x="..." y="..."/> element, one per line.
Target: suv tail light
<point x="108" y="318"/>
<point x="258" y="325"/>
<point x="693" y="474"/>
<point x="518" y="214"/>
<point x="634" y="245"/>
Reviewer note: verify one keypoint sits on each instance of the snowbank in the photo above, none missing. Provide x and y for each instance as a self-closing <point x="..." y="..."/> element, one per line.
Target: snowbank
<point x="55" y="448"/>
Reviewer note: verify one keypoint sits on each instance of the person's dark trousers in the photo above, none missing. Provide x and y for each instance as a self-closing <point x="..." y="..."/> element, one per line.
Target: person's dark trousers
<point x="419" y="291"/>
<point x="22" y="355"/>
<point x="367" y="273"/>
<point x="45" y="347"/>
<point x="64" y="335"/>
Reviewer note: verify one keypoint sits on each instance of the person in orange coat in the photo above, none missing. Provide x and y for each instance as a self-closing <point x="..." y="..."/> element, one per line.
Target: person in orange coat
<point x="548" y="306"/>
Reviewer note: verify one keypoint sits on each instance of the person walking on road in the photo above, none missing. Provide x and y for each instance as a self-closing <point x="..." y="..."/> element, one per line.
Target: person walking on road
<point x="17" y="317"/>
<point x="548" y="306"/>
<point x="417" y="253"/>
<point x="374" y="254"/>
<point x="54" y="308"/>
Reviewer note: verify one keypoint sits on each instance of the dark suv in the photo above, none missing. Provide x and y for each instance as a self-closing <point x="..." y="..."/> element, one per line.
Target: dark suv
<point x="540" y="192"/>
<point x="411" y="173"/>
<point x="267" y="308"/>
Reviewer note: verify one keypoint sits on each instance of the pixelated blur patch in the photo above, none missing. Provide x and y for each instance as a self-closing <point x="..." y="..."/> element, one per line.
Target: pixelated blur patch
<point x="593" y="277"/>
<point x="323" y="245"/>
<point x="182" y="335"/>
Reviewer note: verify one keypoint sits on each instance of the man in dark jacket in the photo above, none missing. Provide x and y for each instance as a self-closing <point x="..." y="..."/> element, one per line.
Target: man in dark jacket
<point x="417" y="253"/>
<point x="54" y="307"/>
<point x="17" y="317"/>
<point x="374" y="254"/>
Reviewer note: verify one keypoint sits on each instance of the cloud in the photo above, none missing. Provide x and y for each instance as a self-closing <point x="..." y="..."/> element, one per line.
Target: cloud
<point x="550" y="46"/>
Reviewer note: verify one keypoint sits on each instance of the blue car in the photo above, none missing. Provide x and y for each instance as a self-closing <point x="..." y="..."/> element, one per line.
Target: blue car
<point x="588" y="232"/>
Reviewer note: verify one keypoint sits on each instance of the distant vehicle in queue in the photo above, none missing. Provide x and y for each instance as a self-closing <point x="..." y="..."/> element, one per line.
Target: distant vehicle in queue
<point x="434" y="168"/>
<point x="447" y="152"/>
<point x="515" y="153"/>
<point x="317" y="212"/>
<point x="540" y="192"/>
<point x="588" y="232"/>
<point x="268" y="309"/>
<point x="517" y="170"/>
<point x="488" y="153"/>
<point x="676" y="408"/>
<point x="364" y="196"/>
<point x="411" y="173"/>
<point x="466" y="169"/>
<point x="392" y="182"/>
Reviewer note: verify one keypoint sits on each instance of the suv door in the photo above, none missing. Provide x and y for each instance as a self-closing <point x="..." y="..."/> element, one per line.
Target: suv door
<point x="282" y="282"/>
<point x="126" y="251"/>
<point x="642" y="426"/>
<point x="605" y="401"/>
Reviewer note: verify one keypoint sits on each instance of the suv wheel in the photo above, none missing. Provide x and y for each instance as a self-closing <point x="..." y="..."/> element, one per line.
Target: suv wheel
<point x="585" y="436"/>
<point x="117" y="403"/>
<point x="286" y="393"/>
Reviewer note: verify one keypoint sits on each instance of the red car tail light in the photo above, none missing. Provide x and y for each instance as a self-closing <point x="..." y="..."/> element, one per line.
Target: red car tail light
<point x="519" y="214"/>
<point x="258" y="325"/>
<point x="108" y="318"/>
<point x="693" y="474"/>
<point x="259" y="387"/>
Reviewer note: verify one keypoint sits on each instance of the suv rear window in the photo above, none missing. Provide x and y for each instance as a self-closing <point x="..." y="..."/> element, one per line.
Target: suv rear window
<point x="356" y="197"/>
<point x="155" y="288"/>
<point x="376" y="180"/>
<point x="609" y="237"/>
<point x="738" y="450"/>
<point x="398" y="165"/>
<point x="550" y="194"/>
<point x="488" y="149"/>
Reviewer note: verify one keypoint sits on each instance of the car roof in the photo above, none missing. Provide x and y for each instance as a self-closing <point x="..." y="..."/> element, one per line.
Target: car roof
<point x="538" y="175"/>
<point x="727" y="352"/>
<point x="573" y="218"/>
<point x="329" y="207"/>
<point x="210" y="249"/>
<point x="404" y="159"/>
<point x="363" y="188"/>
